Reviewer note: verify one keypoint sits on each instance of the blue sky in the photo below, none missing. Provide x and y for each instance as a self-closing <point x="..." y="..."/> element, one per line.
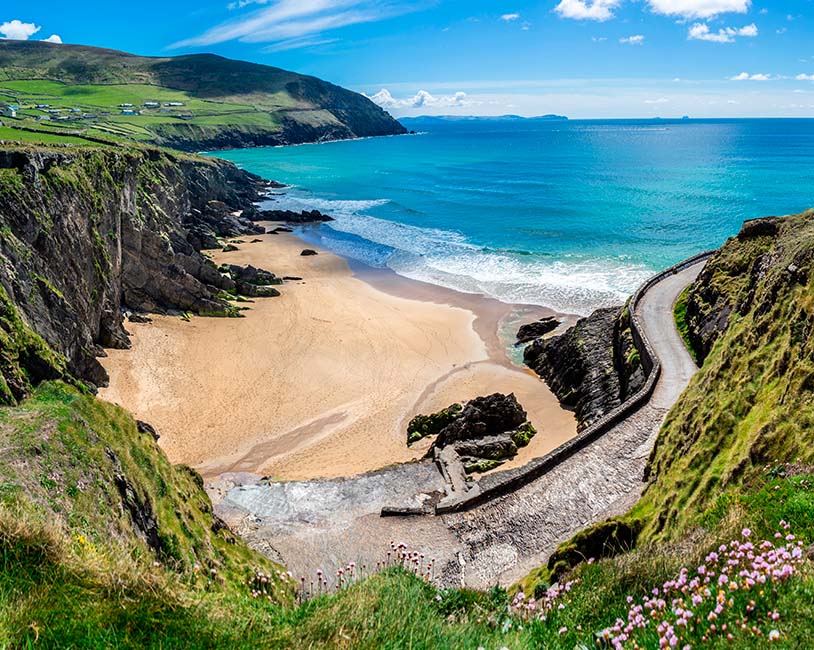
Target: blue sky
<point x="582" y="58"/>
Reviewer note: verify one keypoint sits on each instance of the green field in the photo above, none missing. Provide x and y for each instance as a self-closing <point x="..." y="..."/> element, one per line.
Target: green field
<point x="41" y="137"/>
<point x="104" y="104"/>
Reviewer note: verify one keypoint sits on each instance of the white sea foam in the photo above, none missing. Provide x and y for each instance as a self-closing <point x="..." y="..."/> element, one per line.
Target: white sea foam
<point x="569" y="284"/>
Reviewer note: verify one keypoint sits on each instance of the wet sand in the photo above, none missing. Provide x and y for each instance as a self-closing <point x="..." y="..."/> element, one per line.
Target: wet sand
<point x="322" y="381"/>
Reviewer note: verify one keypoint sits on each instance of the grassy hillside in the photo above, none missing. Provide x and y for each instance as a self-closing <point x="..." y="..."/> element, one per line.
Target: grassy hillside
<point x="104" y="544"/>
<point x="751" y="407"/>
<point x="190" y="102"/>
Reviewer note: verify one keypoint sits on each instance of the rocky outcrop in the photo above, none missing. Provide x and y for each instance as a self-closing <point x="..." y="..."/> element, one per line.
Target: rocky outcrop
<point x="727" y="285"/>
<point x="87" y="233"/>
<point x="290" y="216"/>
<point x="483" y="432"/>
<point x="593" y="366"/>
<point x="530" y="331"/>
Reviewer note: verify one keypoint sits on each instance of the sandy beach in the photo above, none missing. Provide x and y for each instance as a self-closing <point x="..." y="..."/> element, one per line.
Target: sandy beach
<point x="321" y="381"/>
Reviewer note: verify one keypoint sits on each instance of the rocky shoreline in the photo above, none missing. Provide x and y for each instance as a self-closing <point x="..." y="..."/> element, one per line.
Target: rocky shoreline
<point x="90" y="235"/>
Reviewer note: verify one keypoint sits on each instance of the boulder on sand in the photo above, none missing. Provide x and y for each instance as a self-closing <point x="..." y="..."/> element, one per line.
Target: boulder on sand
<point x="308" y="251"/>
<point x="484" y="431"/>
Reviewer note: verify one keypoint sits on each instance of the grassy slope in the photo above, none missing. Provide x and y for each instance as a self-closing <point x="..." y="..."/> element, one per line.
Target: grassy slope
<point x="751" y="407"/>
<point x="223" y="100"/>
<point x="680" y="315"/>
<point x="73" y="574"/>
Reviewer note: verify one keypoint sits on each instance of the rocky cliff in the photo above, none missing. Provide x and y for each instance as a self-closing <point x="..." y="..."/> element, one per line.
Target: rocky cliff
<point x="593" y="366"/>
<point x="86" y="233"/>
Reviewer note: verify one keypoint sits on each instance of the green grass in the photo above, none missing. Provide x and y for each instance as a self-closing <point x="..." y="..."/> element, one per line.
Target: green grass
<point x="752" y="404"/>
<point x="52" y="597"/>
<point x="40" y="137"/>
<point x="208" y="116"/>
<point x="680" y="315"/>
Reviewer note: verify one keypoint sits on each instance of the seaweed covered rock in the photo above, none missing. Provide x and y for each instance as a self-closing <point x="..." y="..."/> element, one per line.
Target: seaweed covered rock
<point x="422" y="426"/>
<point x="484" y="432"/>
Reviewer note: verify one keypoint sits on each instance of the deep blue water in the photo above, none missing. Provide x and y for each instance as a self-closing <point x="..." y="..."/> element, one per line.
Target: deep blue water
<point x="571" y="215"/>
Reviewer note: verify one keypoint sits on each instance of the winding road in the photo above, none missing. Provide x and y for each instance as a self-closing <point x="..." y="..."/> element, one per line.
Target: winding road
<point x="327" y="523"/>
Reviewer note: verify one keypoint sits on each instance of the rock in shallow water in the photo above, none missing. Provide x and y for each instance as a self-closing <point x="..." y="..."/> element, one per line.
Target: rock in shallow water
<point x="535" y="330"/>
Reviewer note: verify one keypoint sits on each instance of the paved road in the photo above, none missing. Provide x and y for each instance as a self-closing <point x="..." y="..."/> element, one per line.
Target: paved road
<point x="328" y="523"/>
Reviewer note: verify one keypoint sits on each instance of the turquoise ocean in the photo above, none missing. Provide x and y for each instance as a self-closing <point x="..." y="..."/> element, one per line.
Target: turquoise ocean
<point x="571" y="215"/>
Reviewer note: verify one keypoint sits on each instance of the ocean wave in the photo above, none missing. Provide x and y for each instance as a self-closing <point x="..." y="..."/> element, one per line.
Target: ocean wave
<point x="570" y="284"/>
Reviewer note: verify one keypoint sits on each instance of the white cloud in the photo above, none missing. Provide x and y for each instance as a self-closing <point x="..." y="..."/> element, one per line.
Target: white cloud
<point x="422" y="99"/>
<point x="636" y="39"/>
<point x="805" y="77"/>
<point x="686" y="9"/>
<point x="745" y="76"/>
<point x="286" y="20"/>
<point x="699" y="8"/>
<point x="53" y="38"/>
<point x="296" y="43"/>
<point x="660" y="100"/>
<point x="599" y="39"/>
<point x="16" y="30"/>
<point x="587" y="9"/>
<point x="702" y="32"/>
<point x="510" y="17"/>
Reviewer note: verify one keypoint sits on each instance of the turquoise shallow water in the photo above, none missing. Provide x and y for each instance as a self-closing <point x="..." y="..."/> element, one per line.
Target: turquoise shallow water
<point x="571" y="215"/>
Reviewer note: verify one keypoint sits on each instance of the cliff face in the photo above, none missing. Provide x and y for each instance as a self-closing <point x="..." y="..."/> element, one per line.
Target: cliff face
<point x="85" y="233"/>
<point x="592" y="367"/>
<point x="728" y="284"/>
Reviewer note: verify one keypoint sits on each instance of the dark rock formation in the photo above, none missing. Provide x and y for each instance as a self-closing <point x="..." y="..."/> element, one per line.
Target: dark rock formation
<point x="307" y="252"/>
<point x="145" y="427"/>
<point x="250" y="274"/>
<point x="422" y="426"/>
<point x="306" y="216"/>
<point x="535" y="330"/>
<point x="256" y="291"/>
<point x="484" y="432"/>
<point x="140" y="509"/>
<point x="715" y="298"/>
<point x="88" y="233"/>
<point x="592" y="367"/>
